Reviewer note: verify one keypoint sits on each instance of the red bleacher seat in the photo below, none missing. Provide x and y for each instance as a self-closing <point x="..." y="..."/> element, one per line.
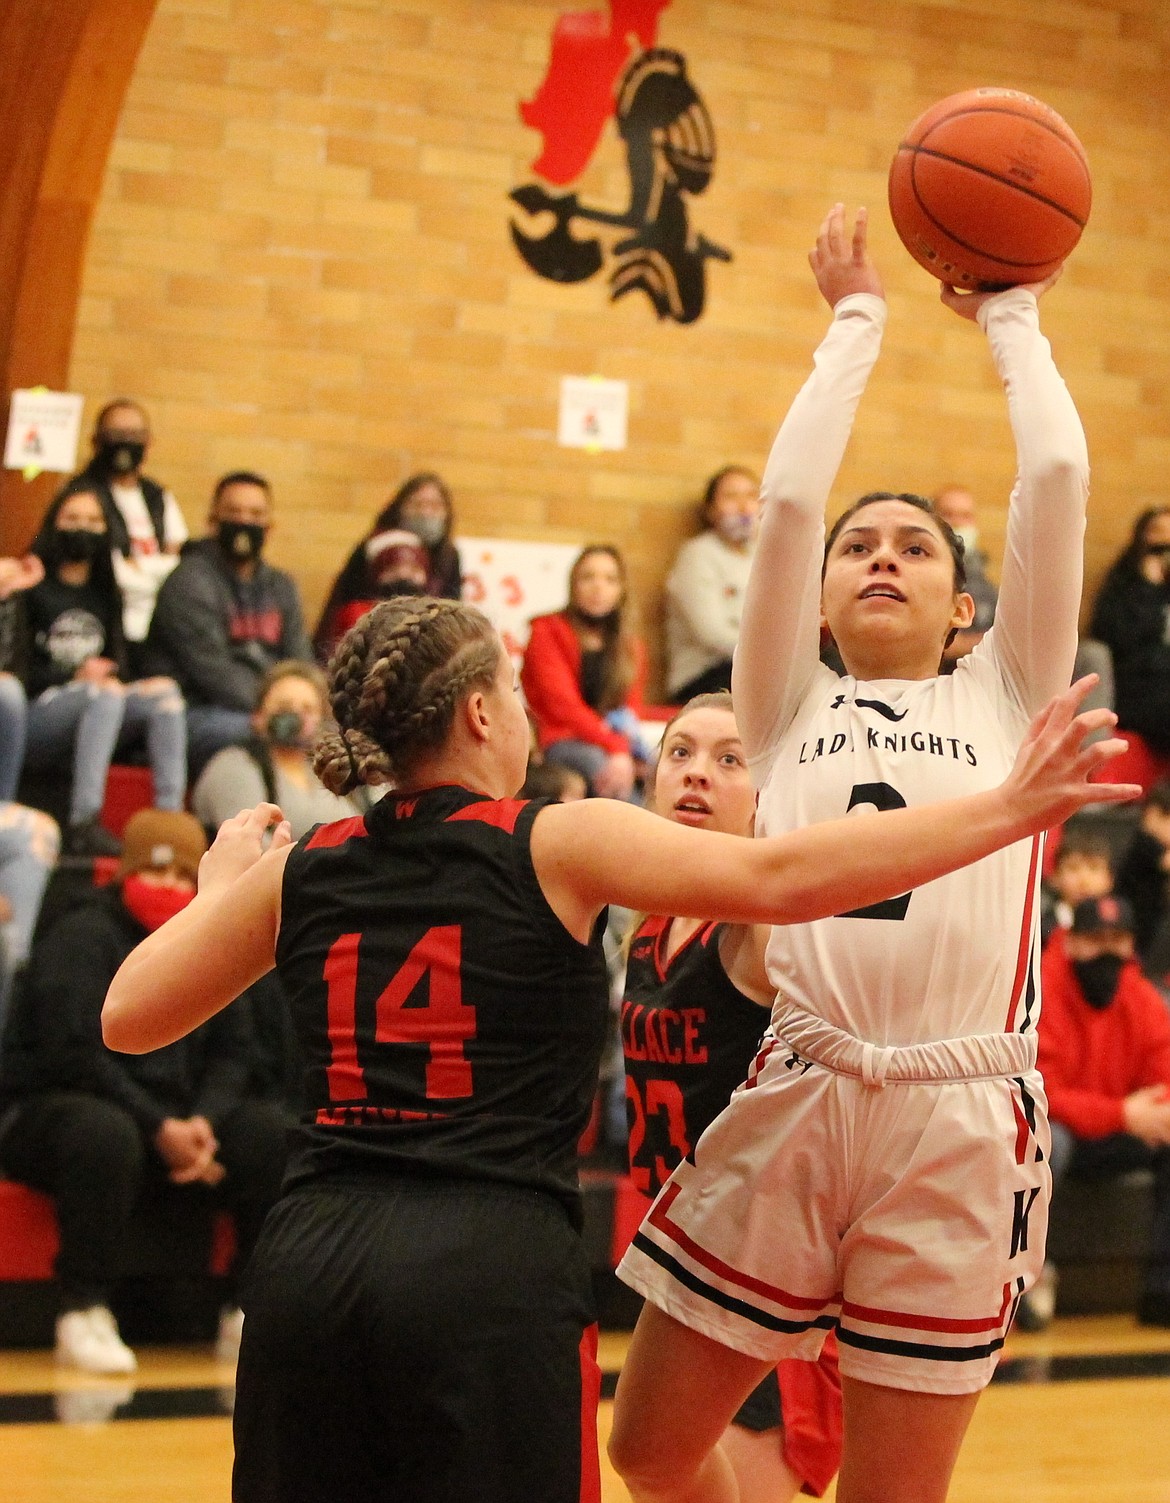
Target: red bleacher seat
<point x="128" y="789"/>
<point x="1140" y="763"/>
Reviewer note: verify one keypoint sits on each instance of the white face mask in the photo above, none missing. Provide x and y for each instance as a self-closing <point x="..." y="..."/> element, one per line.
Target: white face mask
<point x="736" y="528"/>
<point x="970" y="536"/>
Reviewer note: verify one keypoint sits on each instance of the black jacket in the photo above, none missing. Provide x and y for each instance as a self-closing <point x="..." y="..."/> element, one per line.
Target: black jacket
<point x="53" y="1041"/>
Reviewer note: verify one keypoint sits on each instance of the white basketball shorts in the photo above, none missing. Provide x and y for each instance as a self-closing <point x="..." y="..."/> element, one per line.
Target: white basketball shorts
<point x="897" y="1195"/>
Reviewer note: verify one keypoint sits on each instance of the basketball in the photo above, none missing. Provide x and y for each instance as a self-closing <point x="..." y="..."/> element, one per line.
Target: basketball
<point x="990" y="188"/>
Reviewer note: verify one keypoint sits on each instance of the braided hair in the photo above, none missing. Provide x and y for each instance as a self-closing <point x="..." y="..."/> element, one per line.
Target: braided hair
<point x="395" y="682"/>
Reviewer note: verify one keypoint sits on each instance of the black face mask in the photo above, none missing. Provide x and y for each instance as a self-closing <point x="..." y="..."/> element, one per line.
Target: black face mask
<point x="241" y="541"/>
<point x="119" y="456"/>
<point x="395" y="587"/>
<point x="608" y="619"/>
<point x="77" y="545"/>
<point x="285" y="728"/>
<point x="1099" y="979"/>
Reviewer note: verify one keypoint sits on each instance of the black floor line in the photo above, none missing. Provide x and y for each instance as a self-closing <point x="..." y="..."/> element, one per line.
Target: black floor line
<point x="100" y="1403"/>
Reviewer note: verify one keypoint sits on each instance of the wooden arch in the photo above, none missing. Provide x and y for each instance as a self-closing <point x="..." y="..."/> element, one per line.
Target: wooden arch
<point x="64" y="68"/>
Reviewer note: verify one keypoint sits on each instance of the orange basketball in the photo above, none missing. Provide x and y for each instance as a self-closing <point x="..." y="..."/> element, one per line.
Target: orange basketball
<point x="990" y="188"/>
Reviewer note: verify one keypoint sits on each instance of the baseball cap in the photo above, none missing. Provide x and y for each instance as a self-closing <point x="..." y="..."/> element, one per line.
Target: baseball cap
<point x="158" y="838"/>
<point x="1094" y="914"/>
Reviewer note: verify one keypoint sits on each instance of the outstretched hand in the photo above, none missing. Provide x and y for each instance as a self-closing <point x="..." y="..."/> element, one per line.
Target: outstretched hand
<point x="841" y="263"/>
<point x="1051" y="777"/>
<point x="968" y="304"/>
<point x="239" y="844"/>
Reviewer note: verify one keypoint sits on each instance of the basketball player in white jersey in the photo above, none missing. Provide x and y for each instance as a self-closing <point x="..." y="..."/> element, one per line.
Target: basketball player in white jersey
<point x="884" y="1169"/>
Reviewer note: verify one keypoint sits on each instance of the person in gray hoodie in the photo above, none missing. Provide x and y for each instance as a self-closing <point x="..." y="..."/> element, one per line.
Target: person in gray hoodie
<point x="225" y="617"/>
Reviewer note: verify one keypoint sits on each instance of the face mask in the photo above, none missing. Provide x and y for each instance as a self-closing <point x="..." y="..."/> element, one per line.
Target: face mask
<point x="285" y="728"/>
<point x="77" y="545"/>
<point x="969" y="535"/>
<point x="395" y="587"/>
<point x="152" y="905"/>
<point x="241" y="541"/>
<point x="609" y="618"/>
<point x="120" y="456"/>
<point x="428" y="530"/>
<point x="1099" y="979"/>
<point x="736" y="528"/>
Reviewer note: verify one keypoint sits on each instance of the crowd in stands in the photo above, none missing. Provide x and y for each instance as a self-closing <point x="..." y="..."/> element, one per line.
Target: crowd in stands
<point x="123" y="638"/>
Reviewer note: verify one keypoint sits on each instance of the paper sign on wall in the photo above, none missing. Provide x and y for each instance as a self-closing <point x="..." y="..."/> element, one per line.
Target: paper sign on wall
<point x="43" y="430"/>
<point x="593" y="413"/>
<point x="512" y="581"/>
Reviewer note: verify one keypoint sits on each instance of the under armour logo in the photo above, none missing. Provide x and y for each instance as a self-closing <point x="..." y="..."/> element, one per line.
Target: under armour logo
<point x="838" y="702"/>
<point x="794" y="1062"/>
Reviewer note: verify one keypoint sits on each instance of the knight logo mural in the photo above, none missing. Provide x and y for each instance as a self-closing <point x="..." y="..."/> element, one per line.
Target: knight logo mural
<point x="604" y="66"/>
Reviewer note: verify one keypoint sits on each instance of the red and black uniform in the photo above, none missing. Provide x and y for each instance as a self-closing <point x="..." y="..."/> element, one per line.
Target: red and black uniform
<point x="419" y="1313"/>
<point x="689" y="1035"/>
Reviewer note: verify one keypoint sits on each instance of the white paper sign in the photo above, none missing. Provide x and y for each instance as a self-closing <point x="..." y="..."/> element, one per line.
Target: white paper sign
<point x="593" y="413"/>
<point x="512" y="581"/>
<point x="43" y="430"/>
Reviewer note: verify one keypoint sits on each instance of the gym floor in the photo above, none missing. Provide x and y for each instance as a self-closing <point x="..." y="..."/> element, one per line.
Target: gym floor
<point x="1078" y="1413"/>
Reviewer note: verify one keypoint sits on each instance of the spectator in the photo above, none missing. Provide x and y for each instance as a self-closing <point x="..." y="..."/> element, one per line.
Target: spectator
<point x="1083" y="868"/>
<point x="1131" y="617"/>
<point x="1105" y="1058"/>
<point x="582" y="668"/>
<point x="704" y="592"/>
<point x="1141" y="878"/>
<point x="81" y="706"/>
<point x="225" y="617"/>
<point x="554" y="780"/>
<point x="16" y="576"/>
<point x="421" y="505"/>
<point x="145" y="526"/>
<point x="956" y="505"/>
<point x="273" y="766"/>
<point x="98" y="1131"/>
<point x="397" y="563"/>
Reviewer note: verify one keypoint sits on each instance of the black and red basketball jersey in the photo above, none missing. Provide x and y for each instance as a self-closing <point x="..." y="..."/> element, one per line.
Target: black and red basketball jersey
<point x="451" y="1025"/>
<point x="688" y="1036"/>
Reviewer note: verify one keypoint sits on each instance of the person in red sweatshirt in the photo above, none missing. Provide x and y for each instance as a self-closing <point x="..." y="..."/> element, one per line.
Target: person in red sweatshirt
<point x="1105" y="1056"/>
<point x="584" y="677"/>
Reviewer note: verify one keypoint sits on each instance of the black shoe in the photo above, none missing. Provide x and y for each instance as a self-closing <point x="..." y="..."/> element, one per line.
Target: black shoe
<point x="90" y="839"/>
<point x="1154" y="1308"/>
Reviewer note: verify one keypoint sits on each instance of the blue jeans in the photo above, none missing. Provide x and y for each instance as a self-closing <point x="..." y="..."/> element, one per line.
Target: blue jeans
<point x="13" y="730"/>
<point x="91" y="721"/>
<point x="209" y="729"/>
<point x="29" y="841"/>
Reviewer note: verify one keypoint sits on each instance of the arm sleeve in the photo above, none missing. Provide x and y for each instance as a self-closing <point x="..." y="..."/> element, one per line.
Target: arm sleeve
<point x="696" y="592"/>
<point x="779" y="635"/>
<point x="1034" y="639"/>
<point x="554" y="694"/>
<point x="190" y="626"/>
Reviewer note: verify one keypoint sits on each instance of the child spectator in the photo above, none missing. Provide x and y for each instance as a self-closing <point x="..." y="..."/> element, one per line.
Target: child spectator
<point x="1083" y="869"/>
<point x="98" y="1131"/>
<point x="397" y="563"/>
<point x="81" y="707"/>
<point x="421" y="505"/>
<point x="704" y="592"/>
<point x="274" y="766"/>
<point x="1105" y="1056"/>
<point x="583" y="669"/>
<point x="1142" y="875"/>
<point x="145" y="527"/>
<point x="225" y="617"/>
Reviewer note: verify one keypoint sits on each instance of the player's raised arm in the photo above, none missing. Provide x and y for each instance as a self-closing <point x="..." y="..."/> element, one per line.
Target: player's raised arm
<point x="601" y="851"/>
<point x="1035" y="633"/>
<point x="780" y="630"/>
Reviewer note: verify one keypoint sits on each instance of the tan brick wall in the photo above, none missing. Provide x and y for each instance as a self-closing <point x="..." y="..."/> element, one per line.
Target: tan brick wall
<point x="301" y="262"/>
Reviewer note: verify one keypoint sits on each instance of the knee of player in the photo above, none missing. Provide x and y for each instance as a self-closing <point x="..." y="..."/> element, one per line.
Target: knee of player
<point x="642" y="1461"/>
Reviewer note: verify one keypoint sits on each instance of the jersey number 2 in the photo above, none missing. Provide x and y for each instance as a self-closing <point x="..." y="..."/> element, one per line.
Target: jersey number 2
<point x="443" y="1023"/>
<point x="880" y="796"/>
<point x="661" y="1096"/>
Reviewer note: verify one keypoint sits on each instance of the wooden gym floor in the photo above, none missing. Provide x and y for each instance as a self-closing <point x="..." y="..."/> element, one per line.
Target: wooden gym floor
<point x="1084" y="1414"/>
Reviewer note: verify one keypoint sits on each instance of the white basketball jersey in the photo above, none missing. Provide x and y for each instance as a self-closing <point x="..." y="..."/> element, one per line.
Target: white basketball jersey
<point x="956" y="956"/>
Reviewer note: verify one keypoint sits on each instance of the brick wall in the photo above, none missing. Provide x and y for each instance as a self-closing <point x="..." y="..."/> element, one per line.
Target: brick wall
<point x="301" y="262"/>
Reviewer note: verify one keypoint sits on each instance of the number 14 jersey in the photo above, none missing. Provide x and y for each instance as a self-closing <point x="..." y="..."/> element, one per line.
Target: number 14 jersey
<point x="942" y="961"/>
<point x="450" y="1023"/>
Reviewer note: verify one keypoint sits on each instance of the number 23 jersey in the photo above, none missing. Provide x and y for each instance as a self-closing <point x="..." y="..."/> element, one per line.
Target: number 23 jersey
<point x="957" y="955"/>
<point x="450" y="1023"/>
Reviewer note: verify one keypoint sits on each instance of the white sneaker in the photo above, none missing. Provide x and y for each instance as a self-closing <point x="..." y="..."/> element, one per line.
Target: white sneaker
<point x="231" y="1329"/>
<point x="89" y="1340"/>
<point x="1038" y="1306"/>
